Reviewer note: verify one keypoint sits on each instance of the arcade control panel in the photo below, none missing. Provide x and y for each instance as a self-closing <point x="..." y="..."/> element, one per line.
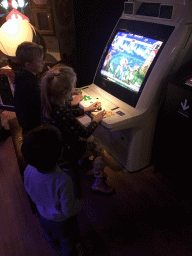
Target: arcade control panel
<point x="88" y="100"/>
<point x="91" y="97"/>
<point x="114" y="113"/>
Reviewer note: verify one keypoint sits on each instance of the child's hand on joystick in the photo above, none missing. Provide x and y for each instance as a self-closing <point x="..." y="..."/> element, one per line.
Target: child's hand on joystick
<point x="99" y="107"/>
<point x="99" y="116"/>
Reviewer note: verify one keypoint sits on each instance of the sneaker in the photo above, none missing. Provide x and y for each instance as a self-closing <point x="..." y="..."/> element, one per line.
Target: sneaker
<point x="98" y="168"/>
<point x="98" y="163"/>
<point x="100" y="186"/>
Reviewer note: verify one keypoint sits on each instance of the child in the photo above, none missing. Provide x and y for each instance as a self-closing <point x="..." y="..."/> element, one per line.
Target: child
<point x="27" y="96"/>
<point x="56" y="91"/>
<point x="50" y="188"/>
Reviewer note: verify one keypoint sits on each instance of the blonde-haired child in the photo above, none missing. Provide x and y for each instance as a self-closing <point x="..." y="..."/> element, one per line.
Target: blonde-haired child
<point x="56" y="92"/>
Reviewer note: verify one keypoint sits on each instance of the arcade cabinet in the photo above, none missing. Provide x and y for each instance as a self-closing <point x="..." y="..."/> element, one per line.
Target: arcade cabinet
<point x="173" y="138"/>
<point x="151" y="40"/>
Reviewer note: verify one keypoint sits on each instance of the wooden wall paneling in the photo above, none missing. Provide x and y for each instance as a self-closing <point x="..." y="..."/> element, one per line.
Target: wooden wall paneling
<point x="43" y="21"/>
<point x="42" y="6"/>
<point x="63" y="17"/>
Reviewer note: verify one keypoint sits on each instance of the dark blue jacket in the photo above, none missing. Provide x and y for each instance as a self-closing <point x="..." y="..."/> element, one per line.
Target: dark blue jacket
<point x="27" y="100"/>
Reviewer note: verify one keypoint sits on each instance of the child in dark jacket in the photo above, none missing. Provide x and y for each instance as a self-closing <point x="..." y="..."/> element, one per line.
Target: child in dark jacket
<point x="51" y="189"/>
<point x="56" y="92"/>
<point x="27" y="95"/>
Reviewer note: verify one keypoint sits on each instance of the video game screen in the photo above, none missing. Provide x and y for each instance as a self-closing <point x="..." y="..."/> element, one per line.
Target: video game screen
<point x="128" y="59"/>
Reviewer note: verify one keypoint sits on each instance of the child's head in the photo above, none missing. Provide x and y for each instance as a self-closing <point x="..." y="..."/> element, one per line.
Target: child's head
<point x="57" y="88"/>
<point x="30" y="56"/>
<point x="42" y="147"/>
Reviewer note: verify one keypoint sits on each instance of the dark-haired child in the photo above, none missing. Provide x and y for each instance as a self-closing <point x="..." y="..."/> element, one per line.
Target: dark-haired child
<point x="50" y="188"/>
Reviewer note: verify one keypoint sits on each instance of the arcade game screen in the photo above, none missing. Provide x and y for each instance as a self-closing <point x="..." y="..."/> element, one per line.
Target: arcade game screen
<point x="128" y="59"/>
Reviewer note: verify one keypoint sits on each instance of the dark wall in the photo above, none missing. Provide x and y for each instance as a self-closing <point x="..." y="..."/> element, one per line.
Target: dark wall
<point x="94" y="23"/>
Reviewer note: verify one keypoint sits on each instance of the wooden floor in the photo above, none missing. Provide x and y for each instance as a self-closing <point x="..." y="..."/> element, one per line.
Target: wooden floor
<point x="146" y="216"/>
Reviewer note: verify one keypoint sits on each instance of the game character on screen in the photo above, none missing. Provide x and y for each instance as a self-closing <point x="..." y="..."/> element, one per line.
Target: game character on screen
<point x="129" y="75"/>
<point x="121" y="68"/>
<point x="27" y="96"/>
<point x="56" y="90"/>
<point x="51" y="189"/>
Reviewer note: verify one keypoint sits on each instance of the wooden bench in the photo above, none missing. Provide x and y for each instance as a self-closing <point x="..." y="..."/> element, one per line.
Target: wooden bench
<point x="17" y="137"/>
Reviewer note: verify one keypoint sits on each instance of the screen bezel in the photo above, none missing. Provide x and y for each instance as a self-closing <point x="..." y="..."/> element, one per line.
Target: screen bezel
<point x="107" y="75"/>
<point x="154" y="31"/>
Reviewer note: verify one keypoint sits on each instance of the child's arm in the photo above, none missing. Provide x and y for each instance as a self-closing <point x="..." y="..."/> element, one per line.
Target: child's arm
<point x="70" y="122"/>
<point x="77" y="91"/>
<point x="92" y="107"/>
<point x="28" y="92"/>
<point x="81" y="111"/>
<point x="69" y="205"/>
<point x="76" y="99"/>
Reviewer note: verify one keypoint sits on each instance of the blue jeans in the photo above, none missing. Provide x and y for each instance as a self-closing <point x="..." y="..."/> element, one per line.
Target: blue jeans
<point x="62" y="236"/>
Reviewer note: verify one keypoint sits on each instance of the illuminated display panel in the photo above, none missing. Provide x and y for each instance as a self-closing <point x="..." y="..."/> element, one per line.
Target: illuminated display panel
<point x="129" y="58"/>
